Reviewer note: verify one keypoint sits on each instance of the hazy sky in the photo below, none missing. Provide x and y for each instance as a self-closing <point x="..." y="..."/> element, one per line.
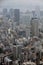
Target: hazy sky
<point x="22" y="4"/>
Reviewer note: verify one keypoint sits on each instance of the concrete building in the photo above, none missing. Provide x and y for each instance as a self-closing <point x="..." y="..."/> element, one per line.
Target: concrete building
<point x="11" y="13"/>
<point x="16" y="15"/>
<point x="34" y="27"/>
<point x="25" y="17"/>
<point x="27" y="29"/>
<point x="17" y="51"/>
<point x="7" y="61"/>
<point x="5" y="11"/>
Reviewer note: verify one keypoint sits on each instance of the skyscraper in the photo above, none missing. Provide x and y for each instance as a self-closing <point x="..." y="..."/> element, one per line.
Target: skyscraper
<point x="11" y="12"/>
<point x="4" y="11"/>
<point x="34" y="27"/>
<point x="16" y="16"/>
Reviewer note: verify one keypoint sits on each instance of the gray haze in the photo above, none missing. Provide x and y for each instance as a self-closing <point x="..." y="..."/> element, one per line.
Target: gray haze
<point x="22" y="4"/>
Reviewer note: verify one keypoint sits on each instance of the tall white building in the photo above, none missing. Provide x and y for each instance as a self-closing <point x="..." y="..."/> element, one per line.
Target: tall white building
<point x="35" y="27"/>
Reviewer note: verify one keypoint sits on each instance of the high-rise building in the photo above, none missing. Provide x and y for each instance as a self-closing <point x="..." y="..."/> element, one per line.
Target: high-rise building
<point x="4" y="11"/>
<point x="16" y="16"/>
<point x="11" y="12"/>
<point x="25" y="17"/>
<point x="34" y="27"/>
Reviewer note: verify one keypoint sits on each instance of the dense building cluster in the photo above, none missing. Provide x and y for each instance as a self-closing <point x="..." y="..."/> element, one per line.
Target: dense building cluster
<point x="21" y="37"/>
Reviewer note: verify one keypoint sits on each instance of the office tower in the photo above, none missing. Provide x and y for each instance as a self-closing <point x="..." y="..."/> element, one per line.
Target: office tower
<point x="25" y="17"/>
<point x="11" y="13"/>
<point x="34" y="27"/>
<point x="4" y="11"/>
<point x="16" y="16"/>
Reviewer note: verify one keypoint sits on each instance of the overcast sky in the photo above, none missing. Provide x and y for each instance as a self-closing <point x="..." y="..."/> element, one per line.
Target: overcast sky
<point x="22" y="4"/>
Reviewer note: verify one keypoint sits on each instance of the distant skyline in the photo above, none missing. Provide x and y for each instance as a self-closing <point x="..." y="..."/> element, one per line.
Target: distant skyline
<point x="21" y="4"/>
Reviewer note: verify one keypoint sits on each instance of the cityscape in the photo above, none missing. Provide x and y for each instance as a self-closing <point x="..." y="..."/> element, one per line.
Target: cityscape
<point x="21" y="36"/>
